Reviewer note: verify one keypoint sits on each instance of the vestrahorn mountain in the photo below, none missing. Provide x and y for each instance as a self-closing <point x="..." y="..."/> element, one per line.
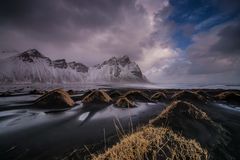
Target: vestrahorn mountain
<point x="32" y="66"/>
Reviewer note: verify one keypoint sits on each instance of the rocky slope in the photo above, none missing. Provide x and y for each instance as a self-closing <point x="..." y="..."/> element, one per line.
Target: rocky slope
<point x="32" y="66"/>
<point x="116" y="69"/>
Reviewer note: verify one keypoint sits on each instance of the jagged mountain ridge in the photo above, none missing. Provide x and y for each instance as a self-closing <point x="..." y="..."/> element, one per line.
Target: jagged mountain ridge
<point x="32" y="66"/>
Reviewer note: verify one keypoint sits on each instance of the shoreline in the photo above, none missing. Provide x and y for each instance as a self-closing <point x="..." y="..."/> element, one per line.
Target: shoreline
<point x="80" y="121"/>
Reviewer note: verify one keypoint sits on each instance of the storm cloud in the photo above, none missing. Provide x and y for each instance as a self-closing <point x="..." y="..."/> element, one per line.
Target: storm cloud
<point x="172" y="41"/>
<point x="229" y="42"/>
<point x="213" y="57"/>
<point x="74" y="29"/>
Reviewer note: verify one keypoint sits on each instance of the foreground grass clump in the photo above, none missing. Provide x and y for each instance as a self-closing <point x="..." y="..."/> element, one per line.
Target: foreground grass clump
<point x="154" y="143"/>
<point x="185" y="118"/>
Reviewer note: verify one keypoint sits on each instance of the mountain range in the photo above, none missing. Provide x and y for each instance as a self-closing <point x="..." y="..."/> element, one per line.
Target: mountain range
<point x="32" y="66"/>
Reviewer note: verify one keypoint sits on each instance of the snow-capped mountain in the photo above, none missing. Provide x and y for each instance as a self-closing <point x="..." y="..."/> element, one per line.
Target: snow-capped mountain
<point x="116" y="69"/>
<point x="32" y="66"/>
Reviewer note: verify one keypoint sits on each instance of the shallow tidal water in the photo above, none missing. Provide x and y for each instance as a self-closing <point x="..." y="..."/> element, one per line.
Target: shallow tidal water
<point x="30" y="133"/>
<point x="27" y="133"/>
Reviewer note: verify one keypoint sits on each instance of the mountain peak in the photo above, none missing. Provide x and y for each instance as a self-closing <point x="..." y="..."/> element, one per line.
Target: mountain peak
<point x="31" y="53"/>
<point x="79" y="67"/>
<point x="124" y="60"/>
<point x="60" y="63"/>
<point x="32" y="66"/>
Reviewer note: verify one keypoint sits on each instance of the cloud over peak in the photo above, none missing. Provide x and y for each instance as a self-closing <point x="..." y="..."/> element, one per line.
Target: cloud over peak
<point x="171" y="40"/>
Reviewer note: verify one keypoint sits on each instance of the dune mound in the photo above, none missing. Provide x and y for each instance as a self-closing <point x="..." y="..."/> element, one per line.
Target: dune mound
<point x="159" y="96"/>
<point x="124" y="102"/>
<point x="137" y="95"/>
<point x="57" y="97"/>
<point x="97" y="96"/>
<point x="188" y="96"/>
<point x="193" y="123"/>
<point x="115" y="94"/>
<point x="154" y="143"/>
<point x="229" y="97"/>
<point x="202" y="93"/>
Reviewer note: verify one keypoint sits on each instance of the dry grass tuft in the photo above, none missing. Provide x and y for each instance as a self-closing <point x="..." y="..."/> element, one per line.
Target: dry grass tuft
<point x="159" y="96"/>
<point x="202" y="93"/>
<point x="137" y="95"/>
<point x="229" y="97"/>
<point x="193" y="123"/>
<point x="97" y="96"/>
<point x="115" y="94"/>
<point x="188" y="96"/>
<point x="57" y="97"/>
<point x="124" y="102"/>
<point x="179" y="109"/>
<point x="154" y="143"/>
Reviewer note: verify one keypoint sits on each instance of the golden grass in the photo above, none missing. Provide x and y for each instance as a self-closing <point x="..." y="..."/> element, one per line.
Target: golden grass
<point x="136" y="95"/>
<point x="191" y="122"/>
<point x="180" y="107"/>
<point x="202" y="93"/>
<point x="228" y="96"/>
<point x="115" y="94"/>
<point x="154" y="143"/>
<point x="124" y="102"/>
<point x="159" y="96"/>
<point x="55" y="97"/>
<point x="97" y="96"/>
<point x="189" y="96"/>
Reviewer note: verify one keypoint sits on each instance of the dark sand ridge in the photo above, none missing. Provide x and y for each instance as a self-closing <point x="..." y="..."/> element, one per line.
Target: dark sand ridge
<point x="57" y="97"/>
<point x="202" y="93"/>
<point x="54" y="99"/>
<point x="193" y="123"/>
<point x="125" y="102"/>
<point x="115" y="94"/>
<point x="60" y="133"/>
<point x="159" y="96"/>
<point x="183" y="118"/>
<point x="207" y="132"/>
<point x="97" y="96"/>
<point x="188" y="96"/>
<point x="201" y="127"/>
<point x="231" y="97"/>
<point x="137" y="95"/>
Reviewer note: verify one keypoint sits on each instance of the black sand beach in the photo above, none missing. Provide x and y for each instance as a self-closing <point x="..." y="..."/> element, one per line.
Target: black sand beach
<point x="91" y="125"/>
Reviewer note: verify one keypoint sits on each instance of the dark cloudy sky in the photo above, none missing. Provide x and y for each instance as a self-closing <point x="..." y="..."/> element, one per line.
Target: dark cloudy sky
<point x="196" y="41"/>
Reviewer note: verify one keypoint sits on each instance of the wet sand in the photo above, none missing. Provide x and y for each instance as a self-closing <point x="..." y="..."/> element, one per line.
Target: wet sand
<point x="30" y="133"/>
<point x="44" y="134"/>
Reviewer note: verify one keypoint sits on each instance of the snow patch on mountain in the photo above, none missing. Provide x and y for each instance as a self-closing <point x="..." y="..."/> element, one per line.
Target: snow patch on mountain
<point x="32" y="66"/>
<point x="116" y="69"/>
